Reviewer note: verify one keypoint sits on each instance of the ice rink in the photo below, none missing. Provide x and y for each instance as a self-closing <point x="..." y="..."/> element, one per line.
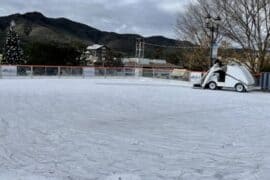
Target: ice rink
<point x="131" y="129"/>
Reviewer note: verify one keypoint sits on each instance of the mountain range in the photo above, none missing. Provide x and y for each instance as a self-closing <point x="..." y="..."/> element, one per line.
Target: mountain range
<point x="34" y="26"/>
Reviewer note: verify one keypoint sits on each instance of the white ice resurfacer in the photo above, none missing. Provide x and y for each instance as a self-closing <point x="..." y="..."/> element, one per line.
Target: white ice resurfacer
<point x="233" y="76"/>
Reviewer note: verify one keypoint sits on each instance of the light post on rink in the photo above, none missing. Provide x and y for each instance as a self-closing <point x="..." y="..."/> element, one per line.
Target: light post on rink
<point x="213" y="25"/>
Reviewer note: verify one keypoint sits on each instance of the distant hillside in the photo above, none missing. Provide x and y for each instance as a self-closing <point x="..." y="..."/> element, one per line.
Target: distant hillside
<point x="36" y="27"/>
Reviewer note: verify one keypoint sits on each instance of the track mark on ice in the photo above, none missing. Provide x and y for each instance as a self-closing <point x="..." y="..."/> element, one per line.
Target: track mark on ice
<point x="123" y="177"/>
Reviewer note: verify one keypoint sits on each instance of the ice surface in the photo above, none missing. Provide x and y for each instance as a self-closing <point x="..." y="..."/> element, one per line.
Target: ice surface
<point x="131" y="129"/>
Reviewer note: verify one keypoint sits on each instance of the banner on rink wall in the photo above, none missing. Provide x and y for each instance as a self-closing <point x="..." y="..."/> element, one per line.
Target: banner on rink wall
<point x="8" y="71"/>
<point x="88" y="71"/>
<point x="195" y="77"/>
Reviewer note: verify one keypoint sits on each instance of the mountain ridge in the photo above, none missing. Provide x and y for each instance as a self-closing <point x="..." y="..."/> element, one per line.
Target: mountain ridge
<point x="34" y="26"/>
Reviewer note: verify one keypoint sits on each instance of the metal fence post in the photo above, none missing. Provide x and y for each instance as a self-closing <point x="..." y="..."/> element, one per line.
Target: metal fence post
<point x="31" y="71"/>
<point x="59" y="71"/>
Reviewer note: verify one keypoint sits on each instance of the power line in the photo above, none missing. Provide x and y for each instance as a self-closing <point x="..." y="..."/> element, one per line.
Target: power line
<point x="173" y="47"/>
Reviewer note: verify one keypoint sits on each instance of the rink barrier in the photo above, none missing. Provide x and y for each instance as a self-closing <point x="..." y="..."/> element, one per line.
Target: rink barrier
<point x="45" y="71"/>
<point x="42" y="71"/>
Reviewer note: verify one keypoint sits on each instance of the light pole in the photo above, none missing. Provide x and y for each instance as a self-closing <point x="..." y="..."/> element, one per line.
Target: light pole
<point x="213" y="25"/>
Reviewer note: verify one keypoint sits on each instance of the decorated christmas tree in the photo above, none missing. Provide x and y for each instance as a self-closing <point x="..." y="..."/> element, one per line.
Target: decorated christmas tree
<point x="12" y="53"/>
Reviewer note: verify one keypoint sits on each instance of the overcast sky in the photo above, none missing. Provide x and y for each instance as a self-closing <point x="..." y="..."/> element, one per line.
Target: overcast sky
<point x="146" y="17"/>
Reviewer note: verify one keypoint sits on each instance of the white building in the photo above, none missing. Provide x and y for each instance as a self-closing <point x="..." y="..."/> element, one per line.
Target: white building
<point x="144" y="61"/>
<point x="95" y="54"/>
<point x="150" y="67"/>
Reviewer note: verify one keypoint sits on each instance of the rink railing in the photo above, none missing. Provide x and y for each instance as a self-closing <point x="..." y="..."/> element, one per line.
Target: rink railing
<point x="40" y="71"/>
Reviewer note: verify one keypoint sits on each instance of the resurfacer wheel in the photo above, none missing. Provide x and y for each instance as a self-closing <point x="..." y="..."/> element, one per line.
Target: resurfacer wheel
<point x="240" y="88"/>
<point x="212" y="85"/>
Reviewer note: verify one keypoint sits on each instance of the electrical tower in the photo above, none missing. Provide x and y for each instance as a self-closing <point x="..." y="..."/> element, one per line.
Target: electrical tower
<point x="139" y="48"/>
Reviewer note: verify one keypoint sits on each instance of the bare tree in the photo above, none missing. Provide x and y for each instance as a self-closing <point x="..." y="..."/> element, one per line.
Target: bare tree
<point x="245" y="22"/>
<point x="191" y="26"/>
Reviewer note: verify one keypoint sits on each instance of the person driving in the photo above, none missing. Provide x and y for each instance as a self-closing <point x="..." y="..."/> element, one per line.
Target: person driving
<point x="220" y="70"/>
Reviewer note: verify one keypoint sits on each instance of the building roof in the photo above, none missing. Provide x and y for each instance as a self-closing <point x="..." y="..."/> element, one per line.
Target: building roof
<point x="95" y="47"/>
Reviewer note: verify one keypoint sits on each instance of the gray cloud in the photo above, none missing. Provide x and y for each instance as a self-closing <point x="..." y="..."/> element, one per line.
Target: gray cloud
<point x="146" y="17"/>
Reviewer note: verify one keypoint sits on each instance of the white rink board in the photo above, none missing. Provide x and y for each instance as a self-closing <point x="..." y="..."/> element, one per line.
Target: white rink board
<point x="8" y="71"/>
<point x="195" y="77"/>
<point x="88" y="71"/>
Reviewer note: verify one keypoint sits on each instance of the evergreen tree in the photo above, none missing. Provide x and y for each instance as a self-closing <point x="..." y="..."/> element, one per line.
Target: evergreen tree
<point x="12" y="53"/>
